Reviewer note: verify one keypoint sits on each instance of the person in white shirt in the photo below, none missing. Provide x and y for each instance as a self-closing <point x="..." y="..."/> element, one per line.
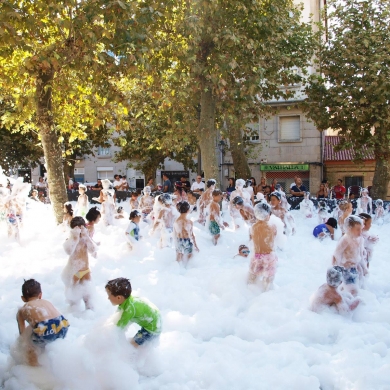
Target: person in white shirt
<point x="118" y="184"/>
<point x="198" y="185"/>
<point x="41" y="183"/>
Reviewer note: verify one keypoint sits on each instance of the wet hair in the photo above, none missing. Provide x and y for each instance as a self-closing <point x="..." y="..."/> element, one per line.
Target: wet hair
<point x="217" y="192"/>
<point x="241" y="247"/>
<point x="134" y="214"/>
<point x="119" y="286"/>
<point x="344" y="204"/>
<point x="134" y="193"/>
<point x="364" y="216"/>
<point x="262" y="210"/>
<point x="350" y="275"/>
<point x="332" y="222"/>
<point x="82" y="186"/>
<point x="194" y="194"/>
<point x="339" y="180"/>
<point x="276" y="194"/>
<point x="334" y="276"/>
<point x="183" y="207"/>
<point x="379" y="202"/>
<point x="119" y="210"/>
<point x="238" y="200"/>
<point x="211" y="182"/>
<point x="31" y="288"/>
<point x="77" y="221"/>
<point x="278" y="187"/>
<point x="165" y="199"/>
<point x="93" y="214"/>
<point x="69" y="209"/>
<point x="352" y="221"/>
<point x="147" y="189"/>
<point x="322" y="205"/>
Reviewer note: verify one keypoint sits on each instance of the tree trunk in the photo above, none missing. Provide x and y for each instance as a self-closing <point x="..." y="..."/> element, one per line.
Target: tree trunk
<point x="382" y="166"/>
<point x="237" y="150"/>
<point x="51" y="146"/>
<point x="199" y="165"/>
<point x="207" y="135"/>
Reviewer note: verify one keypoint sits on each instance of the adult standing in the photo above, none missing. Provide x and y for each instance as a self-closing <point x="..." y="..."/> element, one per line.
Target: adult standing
<point x="41" y="184"/>
<point x="118" y="183"/>
<point x="198" y="185"/>
<point x="339" y="190"/>
<point x="232" y="185"/>
<point x="150" y="183"/>
<point x="186" y="185"/>
<point x="262" y="185"/>
<point x="167" y="185"/>
<point x="298" y="189"/>
<point x="70" y="182"/>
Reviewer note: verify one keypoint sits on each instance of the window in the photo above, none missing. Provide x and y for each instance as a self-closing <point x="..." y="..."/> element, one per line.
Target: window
<point x="353" y="181"/>
<point x="289" y="128"/>
<point x="79" y="175"/>
<point x="252" y="132"/>
<point x="104" y="152"/>
<point x="105" y="173"/>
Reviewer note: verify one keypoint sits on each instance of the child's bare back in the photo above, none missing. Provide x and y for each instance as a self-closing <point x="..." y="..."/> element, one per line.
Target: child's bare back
<point x="263" y="234"/>
<point x="37" y="311"/>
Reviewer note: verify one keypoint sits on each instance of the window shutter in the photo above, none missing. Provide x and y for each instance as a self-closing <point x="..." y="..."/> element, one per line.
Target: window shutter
<point x="290" y="128"/>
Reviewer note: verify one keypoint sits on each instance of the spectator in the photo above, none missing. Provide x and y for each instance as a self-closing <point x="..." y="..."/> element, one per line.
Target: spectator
<point x="98" y="186"/>
<point x="150" y="183"/>
<point x="125" y="185"/>
<point x="181" y="195"/>
<point x="339" y="190"/>
<point x="198" y="185"/>
<point x="322" y="192"/>
<point x="186" y="185"/>
<point x="232" y="185"/>
<point x="70" y="182"/>
<point x="117" y="183"/>
<point x="34" y="195"/>
<point x="273" y="185"/>
<point x="41" y="184"/>
<point x="253" y="185"/>
<point x="167" y="185"/>
<point x="294" y="183"/>
<point x="298" y="189"/>
<point x="262" y="185"/>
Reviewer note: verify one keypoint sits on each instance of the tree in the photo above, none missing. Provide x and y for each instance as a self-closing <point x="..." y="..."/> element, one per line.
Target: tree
<point x="351" y="91"/>
<point x="59" y="62"/>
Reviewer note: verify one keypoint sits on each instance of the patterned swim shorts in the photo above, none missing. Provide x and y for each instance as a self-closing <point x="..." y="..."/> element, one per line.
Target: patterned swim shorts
<point x="184" y="246"/>
<point x="264" y="264"/>
<point x="214" y="228"/>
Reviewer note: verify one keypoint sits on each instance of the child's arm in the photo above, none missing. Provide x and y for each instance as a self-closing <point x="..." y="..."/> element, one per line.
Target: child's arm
<point x="71" y="243"/>
<point x="291" y="221"/>
<point x="338" y="253"/>
<point x="158" y="220"/>
<point x="21" y="321"/>
<point x="193" y="236"/>
<point x="91" y="247"/>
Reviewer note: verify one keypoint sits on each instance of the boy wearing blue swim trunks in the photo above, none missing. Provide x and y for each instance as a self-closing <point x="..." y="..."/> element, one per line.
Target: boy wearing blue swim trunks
<point x="183" y="233"/>
<point x="216" y="223"/>
<point x="134" y="309"/>
<point x="46" y="324"/>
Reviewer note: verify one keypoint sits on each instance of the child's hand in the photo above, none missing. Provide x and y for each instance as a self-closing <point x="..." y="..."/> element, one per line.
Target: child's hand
<point x="197" y="249"/>
<point x="225" y="224"/>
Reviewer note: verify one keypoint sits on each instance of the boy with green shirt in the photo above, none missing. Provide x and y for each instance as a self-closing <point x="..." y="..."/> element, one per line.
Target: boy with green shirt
<point x="134" y="309"/>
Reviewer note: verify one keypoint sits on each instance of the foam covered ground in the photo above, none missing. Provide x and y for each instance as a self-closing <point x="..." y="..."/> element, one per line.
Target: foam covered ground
<point x="217" y="332"/>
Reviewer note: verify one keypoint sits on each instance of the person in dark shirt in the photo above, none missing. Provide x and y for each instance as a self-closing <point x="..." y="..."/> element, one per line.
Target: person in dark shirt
<point x="186" y="185"/>
<point x="167" y="185"/>
<point x="98" y="186"/>
<point x="299" y="189"/>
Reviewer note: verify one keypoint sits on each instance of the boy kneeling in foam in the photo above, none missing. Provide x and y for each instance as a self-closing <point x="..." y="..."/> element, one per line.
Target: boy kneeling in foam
<point x="134" y="309"/>
<point x="46" y="324"/>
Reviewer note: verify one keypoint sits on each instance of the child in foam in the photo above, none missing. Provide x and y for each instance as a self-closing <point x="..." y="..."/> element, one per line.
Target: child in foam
<point x="134" y="204"/>
<point x="77" y="275"/>
<point x="283" y="197"/>
<point x="323" y="212"/>
<point x="345" y="207"/>
<point x="307" y="206"/>
<point x="243" y="251"/>
<point x="329" y="295"/>
<point x="93" y="217"/>
<point x="263" y="263"/>
<point x="364" y="202"/>
<point x="379" y="212"/>
<point x="46" y="324"/>
<point x="245" y="209"/>
<point x="82" y="202"/>
<point x="282" y="213"/>
<point x="205" y="199"/>
<point x="239" y="191"/>
<point x="133" y="231"/>
<point x="325" y="229"/>
<point x="215" y="220"/>
<point x="146" y="203"/>
<point x="164" y="220"/>
<point x="68" y="215"/>
<point x="107" y="199"/>
<point x="134" y="310"/>
<point x="350" y="252"/>
<point x="369" y="239"/>
<point x="183" y="232"/>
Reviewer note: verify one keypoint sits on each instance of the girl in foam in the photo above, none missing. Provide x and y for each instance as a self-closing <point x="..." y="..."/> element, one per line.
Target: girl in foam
<point x="307" y="206"/>
<point x="345" y="209"/>
<point x="283" y="214"/>
<point x="379" y="212"/>
<point x="322" y="212"/>
<point x="234" y="212"/>
<point x="364" y="202"/>
<point x="164" y="221"/>
<point x="205" y="200"/>
<point x="369" y="239"/>
<point x="68" y="215"/>
<point x="284" y="203"/>
<point x="108" y="203"/>
<point x="82" y="205"/>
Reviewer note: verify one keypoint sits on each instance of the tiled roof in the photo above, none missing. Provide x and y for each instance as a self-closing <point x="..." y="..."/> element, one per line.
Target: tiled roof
<point x="342" y="155"/>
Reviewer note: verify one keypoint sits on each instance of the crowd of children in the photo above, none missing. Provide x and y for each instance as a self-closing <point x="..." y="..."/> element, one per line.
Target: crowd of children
<point x="169" y="216"/>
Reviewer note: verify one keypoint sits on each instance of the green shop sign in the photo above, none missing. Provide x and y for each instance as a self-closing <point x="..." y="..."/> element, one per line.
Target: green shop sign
<point x="284" y="167"/>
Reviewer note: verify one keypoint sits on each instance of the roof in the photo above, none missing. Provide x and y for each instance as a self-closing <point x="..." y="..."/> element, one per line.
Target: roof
<point x="342" y="155"/>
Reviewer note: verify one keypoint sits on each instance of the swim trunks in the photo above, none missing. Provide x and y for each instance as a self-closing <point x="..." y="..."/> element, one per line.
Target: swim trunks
<point x="143" y="335"/>
<point x="264" y="264"/>
<point x="184" y="246"/>
<point x="320" y="229"/>
<point x="350" y="275"/>
<point x="48" y="331"/>
<point x="214" y="228"/>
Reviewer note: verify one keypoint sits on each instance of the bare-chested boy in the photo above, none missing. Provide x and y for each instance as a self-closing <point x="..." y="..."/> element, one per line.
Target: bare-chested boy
<point x="345" y="207"/>
<point x="164" y="220"/>
<point x="146" y="203"/>
<point x="205" y="199"/>
<point x="183" y="233"/>
<point x="46" y="324"/>
<point x="239" y="191"/>
<point x="77" y="275"/>
<point x="329" y="295"/>
<point x="264" y="260"/>
<point x="281" y="212"/>
<point x="349" y="252"/>
<point x="245" y="209"/>
<point x="216" y="223"/>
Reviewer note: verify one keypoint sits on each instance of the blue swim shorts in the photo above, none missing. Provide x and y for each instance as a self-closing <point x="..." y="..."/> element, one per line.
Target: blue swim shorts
<point x="46" y="332"/>
<point x="184" y="246"/>
<point x="143" y="335"/>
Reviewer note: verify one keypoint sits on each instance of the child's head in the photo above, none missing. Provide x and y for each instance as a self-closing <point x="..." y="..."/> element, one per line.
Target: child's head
<point x="364" y="192"/>
<point x="118" y="290"/>
<point x="134" y="195"/>
<point x="367" y="220"/>
<point x="77" y="221"/>
<point x="238" y="202"/>
<point x="278" y="187"/>
<point x="166" y="199"/>
<point x="353" y="226"/>
<point x="210" y="183"/>
<point x="217" y="195"/>
<point x="183" y="207"/>
<point x="345" y="205"/>
<point x="135" y="216"/>
<point x="82" y="188"/>
<point x="240" y="183"/>
<point x="379" y="203"/>
<point x="192" y="197"/>
<point x="68" y="208"/>
<point x="262" y="211"/>
<point x="275" y="199"/>
<point x="93" y="215"/>
<point x="147" y="190"/>
<point x="307" y="195"/>
<point x="332" y="222"/>
<point x="243" y="251"/>
<point x="31" y="289"/>
<point x="334" y="276"/>
<point x="34" y="193"/>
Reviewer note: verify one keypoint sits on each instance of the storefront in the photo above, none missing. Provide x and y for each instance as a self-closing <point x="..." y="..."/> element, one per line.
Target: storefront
<point x="285" y="173"/>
